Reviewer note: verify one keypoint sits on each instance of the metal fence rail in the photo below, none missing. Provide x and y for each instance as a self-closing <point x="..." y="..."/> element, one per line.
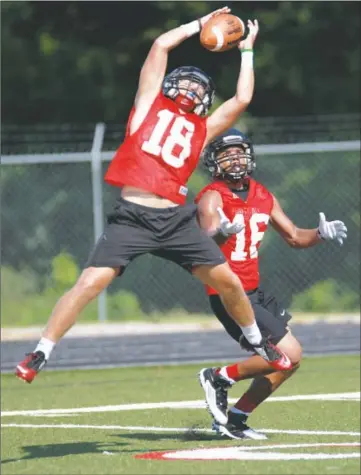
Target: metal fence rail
<point x="52" y="205"/>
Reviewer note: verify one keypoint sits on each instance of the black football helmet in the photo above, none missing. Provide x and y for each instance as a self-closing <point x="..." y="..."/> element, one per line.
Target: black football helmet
<point x="172" y="90"/>
<point x="242" y="163"/>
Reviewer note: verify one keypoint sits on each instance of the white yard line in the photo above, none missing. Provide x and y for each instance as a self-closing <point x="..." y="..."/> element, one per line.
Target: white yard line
<point x="172" y="429"/>
<point x="354" y="396"/>
<point x="265" y="452"/>
<point x="299" y="446"/>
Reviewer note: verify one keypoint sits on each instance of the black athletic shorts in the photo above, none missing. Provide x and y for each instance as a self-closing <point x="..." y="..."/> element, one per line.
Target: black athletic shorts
<point x="172" y="233"/>
<point x="271" y="317"/>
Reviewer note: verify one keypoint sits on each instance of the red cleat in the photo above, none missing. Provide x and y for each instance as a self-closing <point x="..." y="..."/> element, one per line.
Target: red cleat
<point x="30" y="367"/>
<point x="273" y="355"/>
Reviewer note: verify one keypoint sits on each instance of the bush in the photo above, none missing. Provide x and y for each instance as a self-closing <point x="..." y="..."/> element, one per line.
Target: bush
<point x="124" y="305"/>
<point x="23" y="304"/>
<point x="326" y="296"/>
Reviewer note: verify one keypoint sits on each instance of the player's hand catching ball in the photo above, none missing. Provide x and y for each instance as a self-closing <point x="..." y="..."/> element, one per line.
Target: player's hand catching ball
<point x="204" y="19"/>
<point x="226" y="227"/>
<point x="248" y="42"/>
<point x="331" y="230"/>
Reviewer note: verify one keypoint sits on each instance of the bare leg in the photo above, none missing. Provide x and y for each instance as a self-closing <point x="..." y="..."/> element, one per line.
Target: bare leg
<point x="256" y="366"/>
<point x="90" y="283"/>
<point x="226" y="283"/>
<point x="265" y="384"/>
<point x="261" y="388"/>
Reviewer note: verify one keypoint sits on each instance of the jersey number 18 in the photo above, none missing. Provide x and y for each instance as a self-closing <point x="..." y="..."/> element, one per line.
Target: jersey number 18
<point x="175" y="137"/>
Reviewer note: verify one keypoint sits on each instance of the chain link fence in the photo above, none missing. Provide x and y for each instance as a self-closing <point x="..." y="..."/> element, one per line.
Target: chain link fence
<point x="47" y="223"/>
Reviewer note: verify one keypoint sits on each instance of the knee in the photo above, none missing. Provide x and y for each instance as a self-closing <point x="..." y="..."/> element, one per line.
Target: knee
<point x="88" y="285"/>
<point x="295" y="355"/>
<point x="293" y="349"/>
<point x="230" y="286"/>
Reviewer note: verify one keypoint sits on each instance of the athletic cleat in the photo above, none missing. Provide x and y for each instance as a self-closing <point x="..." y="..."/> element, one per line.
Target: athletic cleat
<point x="215" y="388"/>
<point x="236" y="428"/>
<point x="30" y="367"/>
<point x="273" y="355"/>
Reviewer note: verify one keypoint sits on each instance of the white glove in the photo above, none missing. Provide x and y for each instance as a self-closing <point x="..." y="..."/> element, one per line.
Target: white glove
<point x="330" y="230"/>
<point x="226" y="227"/>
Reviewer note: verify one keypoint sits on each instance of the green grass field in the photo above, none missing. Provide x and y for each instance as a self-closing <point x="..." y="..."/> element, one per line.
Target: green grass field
<point x="107" y="442"/>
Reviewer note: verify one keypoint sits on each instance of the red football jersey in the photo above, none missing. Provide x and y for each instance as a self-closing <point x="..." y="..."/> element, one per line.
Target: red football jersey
<point x="162" y="154"/>
<point x="241" y="250"/>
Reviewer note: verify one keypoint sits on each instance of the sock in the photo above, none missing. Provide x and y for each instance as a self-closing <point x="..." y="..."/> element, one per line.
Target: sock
<point x="230" y="373"/>
<point x="46" y="346"/>
<point x="252" y="333"/>
<point x="234" y="410"/>
<point x="244" y="406"/>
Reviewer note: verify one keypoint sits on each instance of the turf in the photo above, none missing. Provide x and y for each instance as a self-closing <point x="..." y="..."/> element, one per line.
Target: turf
<point x="81" y="450"/>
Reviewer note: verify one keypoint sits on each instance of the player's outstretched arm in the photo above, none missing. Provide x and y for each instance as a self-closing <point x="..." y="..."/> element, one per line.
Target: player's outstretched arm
<point x="227" y="114"/>
<point x="302" y="238"/>
<point x="155" y="65"/>
<point x="207" y="215"/>
<point x="213" y="220"/>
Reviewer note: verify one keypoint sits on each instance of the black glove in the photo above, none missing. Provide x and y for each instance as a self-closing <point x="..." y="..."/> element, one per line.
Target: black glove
<point x="245" y="344"/>
<point x="248" y="346"/>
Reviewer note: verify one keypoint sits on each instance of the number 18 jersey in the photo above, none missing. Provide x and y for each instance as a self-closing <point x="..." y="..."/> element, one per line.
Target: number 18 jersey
<point x="241" y="250"/>
<point x="162" y="154"/>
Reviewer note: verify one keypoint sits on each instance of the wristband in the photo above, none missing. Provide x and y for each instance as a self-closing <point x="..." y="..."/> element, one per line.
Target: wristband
<point x="247" y="57"/>
<point x="192" y="28"/>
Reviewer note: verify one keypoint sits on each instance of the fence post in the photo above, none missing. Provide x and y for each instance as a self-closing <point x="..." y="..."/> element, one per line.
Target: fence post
<point x="98" y="214"/>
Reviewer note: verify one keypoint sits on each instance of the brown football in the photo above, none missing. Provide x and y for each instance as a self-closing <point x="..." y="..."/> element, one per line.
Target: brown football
<point x="222" y="32"/>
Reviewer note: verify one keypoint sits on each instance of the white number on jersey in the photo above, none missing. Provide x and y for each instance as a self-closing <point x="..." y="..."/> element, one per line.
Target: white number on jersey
<point x="174" y="138"/>
<point x="241" y="253"/>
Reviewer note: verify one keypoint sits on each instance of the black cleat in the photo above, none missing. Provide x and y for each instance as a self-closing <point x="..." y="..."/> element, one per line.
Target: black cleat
<point x="215" y="388"/>
<point x="236" y="428"/>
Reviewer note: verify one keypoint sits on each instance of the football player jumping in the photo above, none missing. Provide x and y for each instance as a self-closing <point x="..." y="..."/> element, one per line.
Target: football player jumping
<point x="166" y="132"/>
<point x="235" y="199"/>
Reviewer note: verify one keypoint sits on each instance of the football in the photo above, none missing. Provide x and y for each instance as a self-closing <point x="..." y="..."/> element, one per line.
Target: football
<point x="222" y="32"/>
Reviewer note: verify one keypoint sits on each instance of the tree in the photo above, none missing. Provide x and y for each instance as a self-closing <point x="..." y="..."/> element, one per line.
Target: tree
<point x="79" y="61"/>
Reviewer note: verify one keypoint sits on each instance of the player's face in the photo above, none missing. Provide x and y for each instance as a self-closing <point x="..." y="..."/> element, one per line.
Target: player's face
<point x="191" y="93"/>
<point x="232" y="160"/>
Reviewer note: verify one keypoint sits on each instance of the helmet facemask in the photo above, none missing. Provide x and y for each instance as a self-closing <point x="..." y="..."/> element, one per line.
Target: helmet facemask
<point x="230" y="157"/>
<point x="190" y="88"/>
<point x="234" y="163"/>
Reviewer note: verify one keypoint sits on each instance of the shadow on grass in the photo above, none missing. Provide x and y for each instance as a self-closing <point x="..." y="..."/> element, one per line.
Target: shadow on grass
<point x="190" y="435"/>
<point x="61" y="450"/>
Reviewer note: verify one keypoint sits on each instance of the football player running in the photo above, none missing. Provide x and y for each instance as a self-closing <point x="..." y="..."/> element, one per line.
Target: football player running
<point x="166" y="132"/>
<point x="235" y="199"/>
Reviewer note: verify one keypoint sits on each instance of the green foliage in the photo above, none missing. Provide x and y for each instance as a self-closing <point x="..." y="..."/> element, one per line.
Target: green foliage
<point x="326" y="296"/>
<point x="23" y="304"/>
<point x="80" y="61"/>
<point x="64" y="270"/>
<point x="57" y="219"/>
<point x="197" y="181"/>
<point x="17" y="284"/>
<point x="124" y="305"/>
<point x="306" y="184"/>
